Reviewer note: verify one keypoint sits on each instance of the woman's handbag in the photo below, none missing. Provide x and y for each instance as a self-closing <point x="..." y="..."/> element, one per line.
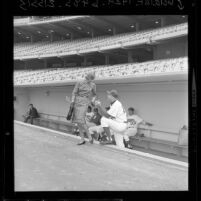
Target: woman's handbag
<point x="70" y="112"/>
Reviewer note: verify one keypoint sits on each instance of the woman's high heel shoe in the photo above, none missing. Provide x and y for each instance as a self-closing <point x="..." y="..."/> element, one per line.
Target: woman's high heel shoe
<point x="81" y="143"/>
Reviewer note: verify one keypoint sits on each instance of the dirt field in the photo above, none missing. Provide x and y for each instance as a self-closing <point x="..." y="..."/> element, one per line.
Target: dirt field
<point x="50" y="162"/>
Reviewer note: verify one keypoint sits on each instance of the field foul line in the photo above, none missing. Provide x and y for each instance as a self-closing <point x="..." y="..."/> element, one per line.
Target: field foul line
<point x="147" y="155"/>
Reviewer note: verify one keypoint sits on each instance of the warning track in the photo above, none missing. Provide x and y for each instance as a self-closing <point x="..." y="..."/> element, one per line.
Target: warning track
<point x="47" y="161"/>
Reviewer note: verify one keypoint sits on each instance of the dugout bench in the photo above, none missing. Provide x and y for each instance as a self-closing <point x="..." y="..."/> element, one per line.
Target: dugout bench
<point x="148" y="139"/>
<point x="54" y="121"/>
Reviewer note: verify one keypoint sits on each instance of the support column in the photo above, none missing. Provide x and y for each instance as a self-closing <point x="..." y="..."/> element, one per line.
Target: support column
<point x="92" y="33"/>
<point x="155" y="54"/>
<point x="45" y="63"/>
<point x="71" y="36"/>
<point x="163" y="21"/>
<point x="137" y="26"/>
<point x="114" y="30"/>
<point x="64" y="61"/>
<point x="31" y="39"/>
<point x="51" y="37"/>
<point x="25" y="65"/>
<point x="85" y="60"/>
<point x="130" y="57"/>
<point x="107" y="59"/>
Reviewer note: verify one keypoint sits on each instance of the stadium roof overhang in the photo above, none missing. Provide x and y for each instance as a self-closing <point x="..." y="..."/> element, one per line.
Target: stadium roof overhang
<point x="98" y="25"/>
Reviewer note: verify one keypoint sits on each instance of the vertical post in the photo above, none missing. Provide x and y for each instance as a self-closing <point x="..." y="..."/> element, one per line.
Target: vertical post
<point x="163" y="21"/>
<point x="155" y="55"/>
<point x="130" y="56"/>
<point x="114" y="30"/>
<point x="71" y="36"/>
<point x="25" y="65"/>
<point x="107" y="59"/>
<point x="92" y="33"/>
<point x="51" y="37"/>
<point x="45" y="63"/>
<point x="85" y="60"/>
<point x="137" y="26"/>
<point x="32" y="39"/>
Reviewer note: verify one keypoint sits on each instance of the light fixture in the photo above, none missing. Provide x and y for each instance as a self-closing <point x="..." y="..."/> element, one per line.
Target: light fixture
<point x="67" y="34"/>
<point x="156" y="22"/>
<point x="88" y="32"/>
<point x="109" y="29"/>
<point x="38" y="32"/>
<point x="19" y="33"/>
<point x="79" y="28"/>
<point x="27" y="37"/>
<point x="183" y="16"/>
<point x="132" y="26"/>
<point x="47" y="36"/>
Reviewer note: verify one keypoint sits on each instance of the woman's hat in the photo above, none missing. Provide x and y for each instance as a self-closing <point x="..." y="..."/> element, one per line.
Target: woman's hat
<point x="113" y="93"/>
<point x="90" y="76"/>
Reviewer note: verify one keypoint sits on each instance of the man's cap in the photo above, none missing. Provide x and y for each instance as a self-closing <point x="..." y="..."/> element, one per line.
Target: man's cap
<point x="113" y="93"/>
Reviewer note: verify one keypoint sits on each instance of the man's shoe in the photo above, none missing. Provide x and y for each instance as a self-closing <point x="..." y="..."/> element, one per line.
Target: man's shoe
<point x="81" y="143"/>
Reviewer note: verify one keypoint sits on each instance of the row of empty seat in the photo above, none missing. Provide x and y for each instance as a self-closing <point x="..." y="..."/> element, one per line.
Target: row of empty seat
<point x="68" y="47"/>
<point x="46" y="19"/>
<point x="49" y="76"/>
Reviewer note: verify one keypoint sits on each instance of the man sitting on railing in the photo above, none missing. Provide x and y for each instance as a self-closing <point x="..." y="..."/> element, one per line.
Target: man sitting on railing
<point x="31" y="114"/>
<point x="132" y="126"/>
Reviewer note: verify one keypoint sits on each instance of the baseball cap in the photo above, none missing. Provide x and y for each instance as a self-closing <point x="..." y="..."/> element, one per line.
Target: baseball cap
<point x="113" y="93"/>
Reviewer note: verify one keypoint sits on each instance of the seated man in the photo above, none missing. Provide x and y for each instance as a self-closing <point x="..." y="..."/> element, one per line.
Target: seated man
<point x="97" y="128"/>
<point x="31" y="114"/>
<point x="132" y="126"/>
<point x="88" y="117"/>
<point x="115" y="118"/>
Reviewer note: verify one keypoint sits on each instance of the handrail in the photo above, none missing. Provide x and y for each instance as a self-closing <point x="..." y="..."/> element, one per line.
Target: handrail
<point x="158" y="130"/>
<point x="52" y="115"/>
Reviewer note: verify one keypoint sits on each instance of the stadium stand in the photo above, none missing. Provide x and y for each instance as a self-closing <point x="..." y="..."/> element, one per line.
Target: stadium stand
<point x="102" y="72"/>
<point x="59" y="48"/>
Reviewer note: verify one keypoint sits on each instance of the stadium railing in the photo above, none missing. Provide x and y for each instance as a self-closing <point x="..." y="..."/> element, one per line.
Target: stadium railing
<point x="120" y="71"/>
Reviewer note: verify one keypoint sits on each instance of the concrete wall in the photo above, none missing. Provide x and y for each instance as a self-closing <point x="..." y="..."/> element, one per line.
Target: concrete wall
<point x="163" y="104"/>
<point x="21" y="103"/>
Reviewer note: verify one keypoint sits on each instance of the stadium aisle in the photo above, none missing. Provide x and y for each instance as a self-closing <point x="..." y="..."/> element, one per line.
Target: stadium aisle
<point x="50" y="162"/>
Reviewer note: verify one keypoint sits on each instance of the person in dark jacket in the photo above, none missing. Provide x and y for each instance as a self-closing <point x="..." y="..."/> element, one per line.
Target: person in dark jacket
<point x="31" y="114"/>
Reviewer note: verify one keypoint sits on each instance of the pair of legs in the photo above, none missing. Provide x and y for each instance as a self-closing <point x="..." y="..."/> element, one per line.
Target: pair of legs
<point x="128" y="133"/>
<point x="90" y="124"/>
<point x="96" y="130"/>
<point x="83" y="128"/>
<point x="26" y="118"/>
<point x="114" y="125"/>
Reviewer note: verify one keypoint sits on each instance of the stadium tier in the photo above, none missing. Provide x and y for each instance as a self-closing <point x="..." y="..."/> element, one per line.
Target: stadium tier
<point x="102" y="72"/>
<point x="79" y="46"/>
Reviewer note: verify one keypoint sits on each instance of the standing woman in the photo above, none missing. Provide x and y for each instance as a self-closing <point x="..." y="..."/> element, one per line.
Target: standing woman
<point x="82" y="95"/>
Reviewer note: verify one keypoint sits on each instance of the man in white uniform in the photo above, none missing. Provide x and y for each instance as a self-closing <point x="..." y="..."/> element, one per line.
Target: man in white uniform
<point x="133" y="123"/>
<point x="115" y="118"/>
